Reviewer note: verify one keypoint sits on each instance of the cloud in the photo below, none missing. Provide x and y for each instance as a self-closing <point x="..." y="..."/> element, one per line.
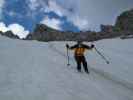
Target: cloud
<point x="68" y="10"/>
<point x="18" y="30"/>
<point x="52" y="22"/>
<point x="54" y="7"/>
<point x="2" y="2"/>
<point x="103" y="11"/>
<point x="12" y="13"/>
<point x="36" y="4"/>
<point x="84" y="14"/>
<point x="62" y="8"/>
<point x="15" y="28"/>
<point x="82" y="24"/>
<point x="3" y="27"/>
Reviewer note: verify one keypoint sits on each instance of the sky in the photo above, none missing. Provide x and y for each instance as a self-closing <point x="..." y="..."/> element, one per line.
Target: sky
<point x="21" y="16"/>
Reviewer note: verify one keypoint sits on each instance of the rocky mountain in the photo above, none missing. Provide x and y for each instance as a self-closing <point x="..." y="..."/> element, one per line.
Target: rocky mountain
<point x="125" y="21"/>
<point x="123" y="27"/>
<point x="9" y="34"/>
<point x="45" y="33"/>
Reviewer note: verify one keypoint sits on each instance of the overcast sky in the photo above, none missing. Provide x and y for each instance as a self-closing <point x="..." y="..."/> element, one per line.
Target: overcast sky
<point x="74" y="15"/>
<point x="103" y="11"/>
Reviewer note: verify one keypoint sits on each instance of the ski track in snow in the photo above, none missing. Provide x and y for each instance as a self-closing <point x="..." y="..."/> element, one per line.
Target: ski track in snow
<point x="31" y="70"/>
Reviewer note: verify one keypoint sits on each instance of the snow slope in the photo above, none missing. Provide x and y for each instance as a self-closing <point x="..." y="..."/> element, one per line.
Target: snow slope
<point x="31" y="70"/>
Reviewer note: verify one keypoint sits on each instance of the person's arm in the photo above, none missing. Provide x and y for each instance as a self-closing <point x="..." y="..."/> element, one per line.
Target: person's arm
<point x="72" y="47"/>
<point x="88" y="47"/>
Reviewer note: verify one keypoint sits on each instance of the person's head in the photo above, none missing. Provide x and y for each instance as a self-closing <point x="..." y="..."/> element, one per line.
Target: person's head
<point x="79" y="42"/>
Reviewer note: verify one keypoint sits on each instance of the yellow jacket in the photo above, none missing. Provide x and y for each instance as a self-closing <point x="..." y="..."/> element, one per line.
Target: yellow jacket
<point x="79" y="49"/>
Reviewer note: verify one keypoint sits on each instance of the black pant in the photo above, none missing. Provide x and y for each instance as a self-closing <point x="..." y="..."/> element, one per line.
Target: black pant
<point x="79" y="60"/>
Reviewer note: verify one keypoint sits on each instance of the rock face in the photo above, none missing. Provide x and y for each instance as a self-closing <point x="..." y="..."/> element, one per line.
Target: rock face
<point x="125" y="21"/>
<point x="44" y="33"/>
<point x="106" y="28"/>
<point x="9" y="34"/>
<point x="123" y="27"/>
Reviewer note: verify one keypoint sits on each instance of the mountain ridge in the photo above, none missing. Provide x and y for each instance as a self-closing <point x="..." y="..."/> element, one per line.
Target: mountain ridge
<point x="45" y="33"/>
<point x="123" y="28"/>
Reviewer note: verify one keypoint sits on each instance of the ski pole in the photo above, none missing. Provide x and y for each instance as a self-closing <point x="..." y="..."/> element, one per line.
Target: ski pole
<point x="103" y="57"/>
<point x="68" y="64"/>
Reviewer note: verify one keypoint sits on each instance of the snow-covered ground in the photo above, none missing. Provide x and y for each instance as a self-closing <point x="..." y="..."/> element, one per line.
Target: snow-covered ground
<point x="31" y="70"/>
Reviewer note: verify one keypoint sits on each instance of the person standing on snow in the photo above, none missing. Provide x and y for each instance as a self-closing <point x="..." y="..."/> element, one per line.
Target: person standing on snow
<point x="79" y="50"/>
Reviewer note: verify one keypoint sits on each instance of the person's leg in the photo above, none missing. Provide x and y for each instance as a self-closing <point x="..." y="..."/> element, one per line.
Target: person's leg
<point x="78" y="61"/>
<point x="85" y="64"/>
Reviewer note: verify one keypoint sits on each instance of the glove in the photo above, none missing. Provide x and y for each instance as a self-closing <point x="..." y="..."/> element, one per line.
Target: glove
<point x="92" y="46"/>
<point x="67" y="46"/>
